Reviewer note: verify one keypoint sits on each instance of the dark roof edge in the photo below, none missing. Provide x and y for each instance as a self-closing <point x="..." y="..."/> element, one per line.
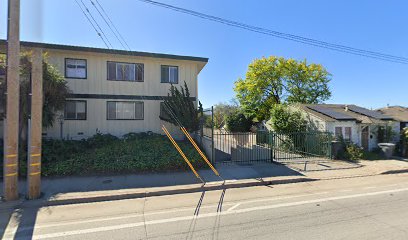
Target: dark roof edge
<point x="336" y="119"/>
<point x="108" y="51"/>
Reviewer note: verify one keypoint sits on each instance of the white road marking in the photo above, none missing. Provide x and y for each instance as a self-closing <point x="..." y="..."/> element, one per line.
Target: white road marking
<point x="233" y="207"/>
<point x="78" y="222"/>
<point x="9" y="229"/>
<point x="207" y="215"/>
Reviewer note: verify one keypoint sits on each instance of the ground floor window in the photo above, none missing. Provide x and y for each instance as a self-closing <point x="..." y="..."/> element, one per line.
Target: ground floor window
<point x="163" y="114"/>
<point x="338" y="131"/>
<point x="347" y="133"/>
<point x="75" y="110"/>
<point x="125" y="110"/>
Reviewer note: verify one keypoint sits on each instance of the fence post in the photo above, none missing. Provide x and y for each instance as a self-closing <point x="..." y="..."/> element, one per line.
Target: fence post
<point x="212" y="136"/>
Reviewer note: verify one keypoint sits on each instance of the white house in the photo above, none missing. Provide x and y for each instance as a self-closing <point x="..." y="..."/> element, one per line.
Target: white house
<point x="352" y="122"/>
<point x="114" y="91"/>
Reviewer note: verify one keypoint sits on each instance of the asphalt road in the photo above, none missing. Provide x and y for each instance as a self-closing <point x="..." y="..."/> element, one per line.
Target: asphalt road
<point x="356" y="208"/>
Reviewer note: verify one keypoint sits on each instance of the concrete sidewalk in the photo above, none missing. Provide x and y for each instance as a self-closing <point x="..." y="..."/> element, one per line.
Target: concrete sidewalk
<point x="104" y="188"/>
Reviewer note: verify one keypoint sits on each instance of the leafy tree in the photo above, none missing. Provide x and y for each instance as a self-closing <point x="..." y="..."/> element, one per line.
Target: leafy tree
<point x="287" y="121"/>
<point x="238" y="122"/>
<point x="55" y="90"/>
<point x="180" y="108"/>
<point x="276" y="80"/>
<point x="222" y="111"/>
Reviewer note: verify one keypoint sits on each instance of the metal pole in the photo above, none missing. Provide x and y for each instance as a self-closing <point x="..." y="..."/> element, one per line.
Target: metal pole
<point x="35" y="127"/>
<point x="10" y="171"/>
<point x="212" y="135"/>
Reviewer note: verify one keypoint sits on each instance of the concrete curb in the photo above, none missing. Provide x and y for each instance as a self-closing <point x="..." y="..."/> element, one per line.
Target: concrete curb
<point x="395" y="172"/>
<point x="140" y="193"/>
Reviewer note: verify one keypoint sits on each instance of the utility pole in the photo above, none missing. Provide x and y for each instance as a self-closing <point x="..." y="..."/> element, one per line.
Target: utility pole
<point x="13" y="98"/>
<point x="35" y="127"/>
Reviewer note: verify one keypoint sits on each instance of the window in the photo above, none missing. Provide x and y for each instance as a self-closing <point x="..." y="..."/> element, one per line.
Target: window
<point x="125" y="110"/>
<point x="125" y="71"/>
<point x="75" y="110"/>
<point x="2" y="73"/>
<point x="75" y="68"/>
<point x="163" y="113"/>
<point x="347" y="133"/>
<point x="169" y="74"/>
<point x="338" y="131"/>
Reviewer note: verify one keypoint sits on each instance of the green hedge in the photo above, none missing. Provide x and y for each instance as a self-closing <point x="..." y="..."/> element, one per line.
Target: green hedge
<point x="107" y="154"/>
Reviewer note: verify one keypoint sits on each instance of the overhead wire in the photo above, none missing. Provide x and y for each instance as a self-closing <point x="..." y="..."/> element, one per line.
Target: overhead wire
<point x="93" y="26"/>
<point x="96" y="23"/>
<point x="110" y="24"/>
<point x="291" y="37"/>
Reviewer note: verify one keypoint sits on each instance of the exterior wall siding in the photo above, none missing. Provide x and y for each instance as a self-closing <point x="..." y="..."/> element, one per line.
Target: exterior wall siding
<point x="97" y="84"/>
<point x="97" y="122"/>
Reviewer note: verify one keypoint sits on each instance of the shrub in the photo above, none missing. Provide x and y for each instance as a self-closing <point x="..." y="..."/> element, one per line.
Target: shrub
<point x="286" y="121"/>
<point x="107" y="154"/>
<point x="238" y="122"/>
<point x="354" y="152"/>
<point x="385" y="134"/>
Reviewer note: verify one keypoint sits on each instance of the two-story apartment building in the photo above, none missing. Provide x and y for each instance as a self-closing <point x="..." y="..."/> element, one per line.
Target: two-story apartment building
<point x="114" y="91"/>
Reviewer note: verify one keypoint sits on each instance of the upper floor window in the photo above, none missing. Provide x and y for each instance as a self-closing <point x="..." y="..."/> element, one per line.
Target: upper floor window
<point x="75" y="110"/>
<point x="125" y="110"/>
<point x="118" y="71"/>
<point x="169" y="74"/>
<point x="75" y="68"/>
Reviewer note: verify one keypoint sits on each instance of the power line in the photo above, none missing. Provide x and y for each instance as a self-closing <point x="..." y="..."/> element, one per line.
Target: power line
<point x="291" y="37"/>
<point x="120" y="35"/>
<point x="116" y="33"/>
<point x="99" y="27"/>
<point x="93" y="26"/>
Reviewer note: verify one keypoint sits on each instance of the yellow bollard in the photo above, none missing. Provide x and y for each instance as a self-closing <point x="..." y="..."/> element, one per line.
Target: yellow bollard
<point x="182" y="154"/>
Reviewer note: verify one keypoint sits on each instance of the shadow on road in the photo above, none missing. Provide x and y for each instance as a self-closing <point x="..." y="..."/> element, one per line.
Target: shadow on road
<point x="18" y="223"/>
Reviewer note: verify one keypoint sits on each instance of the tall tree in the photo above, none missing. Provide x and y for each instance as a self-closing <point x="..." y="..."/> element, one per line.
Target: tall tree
<point x="222" y="111"/>
<point x="180" y="108"/>
<point x="55" y="90"/>
<point x="276" y="80"/>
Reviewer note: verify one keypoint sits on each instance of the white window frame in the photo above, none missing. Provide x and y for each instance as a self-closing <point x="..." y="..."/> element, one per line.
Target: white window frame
<point x="136" y="67"/>
<point x="76" y="112"/>
<point x="348" y="138"/>
<point x="117" y="112"/>
<point x="76" y="67"/>
<point x="170" y="68"/>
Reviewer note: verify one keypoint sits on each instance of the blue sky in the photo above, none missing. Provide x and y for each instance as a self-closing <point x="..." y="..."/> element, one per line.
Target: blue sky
<point x="375" y="25"/>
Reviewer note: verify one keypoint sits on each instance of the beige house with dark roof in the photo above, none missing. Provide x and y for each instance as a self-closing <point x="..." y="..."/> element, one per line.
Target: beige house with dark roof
<point x="114" y="91"/>
<point x="399" y="113"/>
<point x="353" y="123"/>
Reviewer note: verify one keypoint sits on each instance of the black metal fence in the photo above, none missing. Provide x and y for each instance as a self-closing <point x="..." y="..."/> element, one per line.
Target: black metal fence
<point x="271" y="146"/>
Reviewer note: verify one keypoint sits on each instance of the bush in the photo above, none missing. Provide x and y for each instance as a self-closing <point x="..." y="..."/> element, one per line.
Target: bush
<point x="385" y="134"/>
<point x="238" y="122"/>
<point x="107" y="154"/>
<point x="354" y="152"/>
<point x="286" y="121"/>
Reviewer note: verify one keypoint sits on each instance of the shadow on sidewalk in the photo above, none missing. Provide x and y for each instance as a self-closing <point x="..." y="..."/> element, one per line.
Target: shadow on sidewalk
<point x="53" y="187"/>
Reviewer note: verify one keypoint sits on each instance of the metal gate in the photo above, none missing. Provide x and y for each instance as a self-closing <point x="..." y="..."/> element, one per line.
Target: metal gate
<point x="264" y="146"/>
